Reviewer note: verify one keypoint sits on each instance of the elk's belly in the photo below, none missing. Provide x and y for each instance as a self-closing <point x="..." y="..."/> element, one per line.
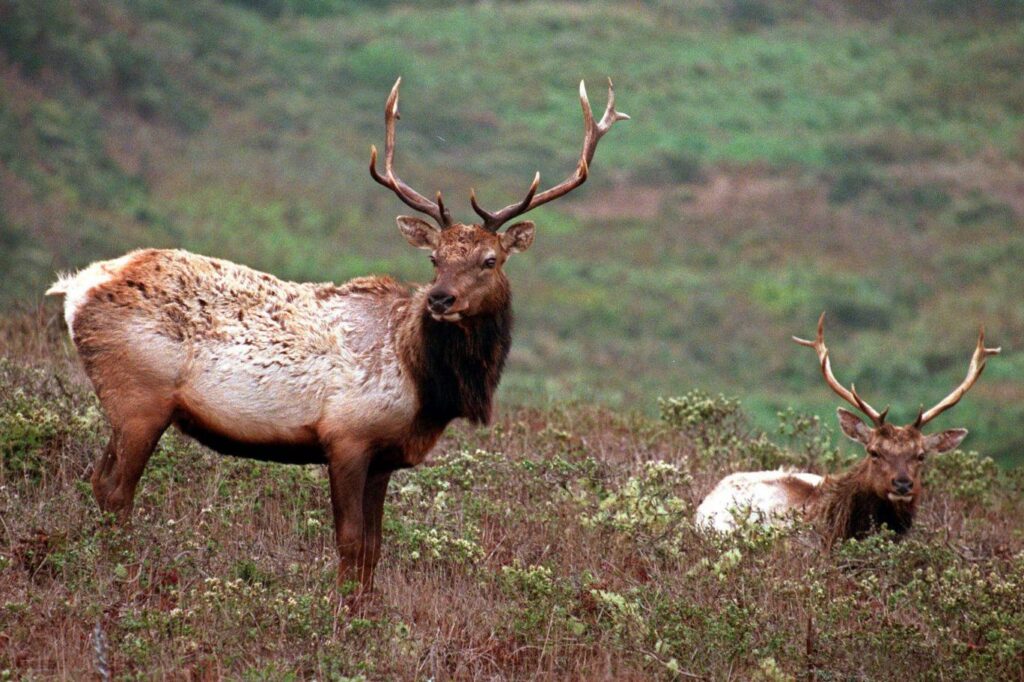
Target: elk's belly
<point x="299" y="446"/>
<point x="258" y="409"/>
<point x="288" y="412"/>
<point x="763" y="496"/>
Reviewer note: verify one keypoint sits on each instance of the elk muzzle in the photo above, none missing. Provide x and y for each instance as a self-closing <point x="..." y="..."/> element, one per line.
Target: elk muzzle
<point x="440" y="302"/>
<point x="902" y="489"/>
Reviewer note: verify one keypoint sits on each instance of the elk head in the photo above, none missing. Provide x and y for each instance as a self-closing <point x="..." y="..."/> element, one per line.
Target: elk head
<point x="468" y="258"/>
<point x="896" y="453"/>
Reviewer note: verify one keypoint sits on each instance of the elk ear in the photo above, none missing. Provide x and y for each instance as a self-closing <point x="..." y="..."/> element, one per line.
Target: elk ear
<point x="518" y="237"/>
<point x="853" y="427"/>
<point x="945" y="440"/>
<point x="420" y="233"/>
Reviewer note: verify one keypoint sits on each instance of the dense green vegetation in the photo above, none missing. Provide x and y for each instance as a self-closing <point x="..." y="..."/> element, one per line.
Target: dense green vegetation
<point x="557" y="544"/>
<point x="784" y="158"/>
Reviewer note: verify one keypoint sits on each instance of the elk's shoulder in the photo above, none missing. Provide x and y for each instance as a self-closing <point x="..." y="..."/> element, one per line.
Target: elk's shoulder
<point x="377" y="286"/>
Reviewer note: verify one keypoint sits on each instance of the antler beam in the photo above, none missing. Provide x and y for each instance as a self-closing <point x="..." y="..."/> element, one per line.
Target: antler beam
<point x="849" y="395"/>
<point x="412" y="198"/>
<point x="593" y="132"/>
<point x="974" y="370"/>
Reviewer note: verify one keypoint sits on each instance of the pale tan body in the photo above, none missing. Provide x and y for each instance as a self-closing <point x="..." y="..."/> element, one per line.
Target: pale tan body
<point x="767" y="497"/>
<point x="258" y="359"/>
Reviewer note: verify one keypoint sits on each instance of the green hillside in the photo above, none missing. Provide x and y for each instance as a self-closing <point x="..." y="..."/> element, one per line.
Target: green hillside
<point x="784" y="158"/>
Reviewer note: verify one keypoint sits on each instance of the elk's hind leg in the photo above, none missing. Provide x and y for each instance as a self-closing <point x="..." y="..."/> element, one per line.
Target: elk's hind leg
<point x="117" y="471"/>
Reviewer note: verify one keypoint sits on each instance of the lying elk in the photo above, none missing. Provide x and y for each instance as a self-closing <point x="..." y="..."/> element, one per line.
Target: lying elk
<point x="363" y="377"/>
<point x="882" y="489"/>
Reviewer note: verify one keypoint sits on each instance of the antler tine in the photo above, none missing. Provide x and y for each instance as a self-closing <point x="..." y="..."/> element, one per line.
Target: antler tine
<point x="974" y="370"/>
<point x="867" y="409"/>
<point x="593" y="132"/>
<point x="389" y="179"/>
<point x="849" y="396"/>
<point x="610" y="114"/>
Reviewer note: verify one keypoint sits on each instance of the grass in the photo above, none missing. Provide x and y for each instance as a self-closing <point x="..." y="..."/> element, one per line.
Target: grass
<point x="556" y="544"/>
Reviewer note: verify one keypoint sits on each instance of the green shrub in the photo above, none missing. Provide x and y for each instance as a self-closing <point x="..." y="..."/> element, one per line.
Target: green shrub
<point x="966" y="476"/>
<point x="852" y="182"/>
<point x="646" y="504"/>
<point x="697" y="411"/>
<point x="28" y="431"/>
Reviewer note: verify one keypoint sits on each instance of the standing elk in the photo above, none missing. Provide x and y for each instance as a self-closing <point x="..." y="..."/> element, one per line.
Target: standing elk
<point x="883" y="488"/>
<point x="363" y="377"/>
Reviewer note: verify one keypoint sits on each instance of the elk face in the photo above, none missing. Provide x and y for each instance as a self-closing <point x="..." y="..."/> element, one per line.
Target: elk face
<point x="468" y="261"/>
<point x="896" y="454"/>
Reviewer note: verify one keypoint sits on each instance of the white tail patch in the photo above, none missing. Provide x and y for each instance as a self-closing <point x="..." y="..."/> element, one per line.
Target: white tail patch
<point x="77" y="287"/>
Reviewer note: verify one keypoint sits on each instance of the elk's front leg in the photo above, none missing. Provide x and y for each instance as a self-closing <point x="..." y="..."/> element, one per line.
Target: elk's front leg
<point x="373" y="524"/>
<point x="347" y="467"/>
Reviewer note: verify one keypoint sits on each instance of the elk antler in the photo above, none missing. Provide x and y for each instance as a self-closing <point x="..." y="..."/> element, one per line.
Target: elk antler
<point x="411" y="197"/>
<point x="592" y="134"/>
<point x="849" y="396"/>
<point x="977" y="366"/>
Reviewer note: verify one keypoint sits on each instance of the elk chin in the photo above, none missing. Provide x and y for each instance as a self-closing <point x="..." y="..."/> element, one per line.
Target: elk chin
<point x="446" y="317"/>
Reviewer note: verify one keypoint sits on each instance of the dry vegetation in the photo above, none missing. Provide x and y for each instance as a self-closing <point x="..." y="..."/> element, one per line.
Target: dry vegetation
<point x="556" y="544"/>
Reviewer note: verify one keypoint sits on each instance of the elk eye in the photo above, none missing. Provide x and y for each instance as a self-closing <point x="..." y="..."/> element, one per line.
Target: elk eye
<point x="490" y="262"/>
<point x="874" y="454"/>
<point x="433" y="260"/>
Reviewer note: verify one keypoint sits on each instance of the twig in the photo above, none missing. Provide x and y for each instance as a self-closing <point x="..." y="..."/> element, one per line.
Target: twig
<point x="810" y="647"/>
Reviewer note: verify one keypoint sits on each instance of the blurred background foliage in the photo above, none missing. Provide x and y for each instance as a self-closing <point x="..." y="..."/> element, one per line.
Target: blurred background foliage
<point x="785" y="157"/>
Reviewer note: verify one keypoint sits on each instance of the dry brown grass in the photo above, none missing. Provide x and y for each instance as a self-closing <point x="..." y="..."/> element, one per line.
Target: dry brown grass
<point x="555" y="545"/>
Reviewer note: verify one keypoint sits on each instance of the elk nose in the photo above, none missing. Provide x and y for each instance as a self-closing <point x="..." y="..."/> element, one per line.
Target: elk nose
<point x="440" y="301"/>
<point x="902" y="485"/>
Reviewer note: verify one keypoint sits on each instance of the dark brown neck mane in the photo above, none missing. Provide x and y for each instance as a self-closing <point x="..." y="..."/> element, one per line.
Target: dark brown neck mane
<point x="456" y="366"/>
<point x="847" y="507"/>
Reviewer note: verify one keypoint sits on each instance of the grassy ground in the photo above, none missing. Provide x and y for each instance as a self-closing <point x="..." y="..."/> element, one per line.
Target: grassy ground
<point x="556" y="544"/>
